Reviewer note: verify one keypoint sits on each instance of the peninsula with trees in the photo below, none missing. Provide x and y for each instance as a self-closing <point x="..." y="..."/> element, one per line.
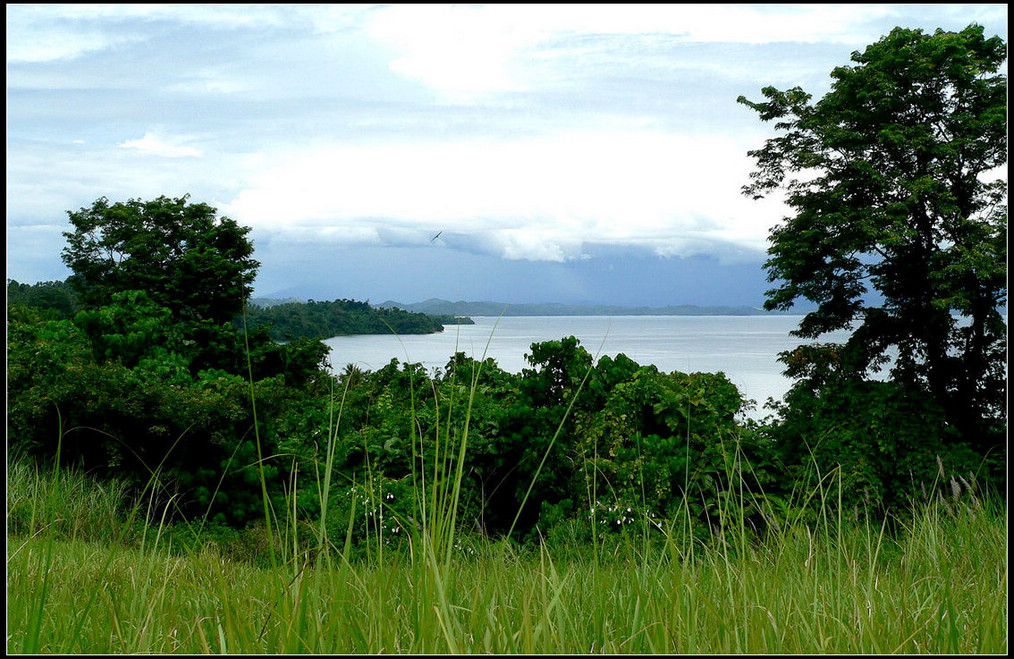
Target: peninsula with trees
<point x="285" y="320"/>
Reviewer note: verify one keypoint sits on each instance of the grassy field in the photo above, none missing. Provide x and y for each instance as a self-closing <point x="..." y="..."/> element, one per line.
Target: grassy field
<point x="82" y="579"/>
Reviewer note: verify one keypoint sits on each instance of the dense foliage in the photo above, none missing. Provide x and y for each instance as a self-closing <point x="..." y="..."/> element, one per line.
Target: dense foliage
<point x="53" y="299"/>
<point x="900" y="232"/>
<point x="321" y="320"/>
<point x="119" y="391"/>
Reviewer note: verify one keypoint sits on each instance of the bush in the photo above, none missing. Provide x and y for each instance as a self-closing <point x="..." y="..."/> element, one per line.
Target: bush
<point x="883" y="442"/>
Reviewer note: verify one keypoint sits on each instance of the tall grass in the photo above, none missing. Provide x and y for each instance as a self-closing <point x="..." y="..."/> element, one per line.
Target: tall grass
<point x="61" y="504"/>
<point x="937" y="586"/>
<point x="79" y="581"/>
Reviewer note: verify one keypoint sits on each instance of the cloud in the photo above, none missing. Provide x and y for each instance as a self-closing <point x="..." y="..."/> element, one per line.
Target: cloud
<point x="44" y="33"/>
<point x="468" y="53"/>
<point x="537" y="199"/>
<point x="31" y="46"/>
<point x="160" y="146"/>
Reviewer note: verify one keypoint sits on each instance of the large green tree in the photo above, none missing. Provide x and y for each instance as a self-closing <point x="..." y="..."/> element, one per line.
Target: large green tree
<point x="181" y="254"/>
<point x="899" y="218"/>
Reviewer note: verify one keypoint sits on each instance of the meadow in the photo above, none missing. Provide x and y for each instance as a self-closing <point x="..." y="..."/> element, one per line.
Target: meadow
<point x="91" y="571"/>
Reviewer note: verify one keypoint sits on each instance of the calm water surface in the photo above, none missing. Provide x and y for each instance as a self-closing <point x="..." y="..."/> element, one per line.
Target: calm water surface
<point x="745" y="348"/>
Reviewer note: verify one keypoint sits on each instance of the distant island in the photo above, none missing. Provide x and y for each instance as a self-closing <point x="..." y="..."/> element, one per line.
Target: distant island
<point x="460" y="308"/>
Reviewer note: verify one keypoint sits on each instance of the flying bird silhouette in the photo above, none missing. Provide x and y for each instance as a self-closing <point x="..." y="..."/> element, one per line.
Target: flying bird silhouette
<point x="436" y="236"/>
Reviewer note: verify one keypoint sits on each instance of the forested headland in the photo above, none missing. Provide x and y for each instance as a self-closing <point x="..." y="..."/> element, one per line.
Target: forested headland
<point x="321" y="320"/>
<point x="286" y="320"/>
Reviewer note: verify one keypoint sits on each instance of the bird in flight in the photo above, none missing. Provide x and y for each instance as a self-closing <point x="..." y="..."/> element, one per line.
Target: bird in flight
<point x="436" y="236"/>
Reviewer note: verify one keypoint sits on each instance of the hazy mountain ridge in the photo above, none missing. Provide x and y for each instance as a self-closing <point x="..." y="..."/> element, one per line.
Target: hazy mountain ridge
<point x="463" y="308"/>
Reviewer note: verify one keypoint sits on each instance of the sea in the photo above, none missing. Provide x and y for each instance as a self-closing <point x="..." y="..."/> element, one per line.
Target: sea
<point x="744" y="348"/>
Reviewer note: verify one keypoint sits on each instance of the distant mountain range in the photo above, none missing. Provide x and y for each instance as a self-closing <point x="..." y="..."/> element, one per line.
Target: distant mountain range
<point x="436" y="306"/>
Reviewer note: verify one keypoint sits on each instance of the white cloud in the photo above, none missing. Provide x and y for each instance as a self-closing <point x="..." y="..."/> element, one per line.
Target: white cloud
<point x="43" y="33"/>
<point x="32" y="46"/>
<point x="537" y="199"/>
<point x="467" y="52"/>
<point x="160" y="146"/>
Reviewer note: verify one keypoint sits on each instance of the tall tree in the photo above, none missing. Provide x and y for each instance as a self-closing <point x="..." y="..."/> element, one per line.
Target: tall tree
<point x="181" y="254"/>
<point x="894" y="181"/>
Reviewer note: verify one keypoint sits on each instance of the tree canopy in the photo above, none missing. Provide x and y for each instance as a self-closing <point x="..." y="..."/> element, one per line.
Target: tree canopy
<point x="54" y="298"/>
<point x="899" y="218"/>
<point x="181" y="254"/>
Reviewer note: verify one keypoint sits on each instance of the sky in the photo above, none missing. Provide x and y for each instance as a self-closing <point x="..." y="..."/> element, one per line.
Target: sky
<point x="511" y="153"/>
